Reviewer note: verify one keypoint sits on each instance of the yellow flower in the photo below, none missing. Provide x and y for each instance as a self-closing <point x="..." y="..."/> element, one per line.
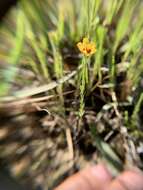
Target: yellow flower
<point x="86" y="47"/>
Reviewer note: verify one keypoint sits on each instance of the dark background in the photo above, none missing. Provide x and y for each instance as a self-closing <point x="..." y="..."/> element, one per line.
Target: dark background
<point x="5" y="5"/>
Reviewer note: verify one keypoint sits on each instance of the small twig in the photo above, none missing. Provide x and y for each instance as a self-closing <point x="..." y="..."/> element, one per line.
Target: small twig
<point x="114" y="98"/>
<point x="70" y="143"/>
<point x="42" y="109"/>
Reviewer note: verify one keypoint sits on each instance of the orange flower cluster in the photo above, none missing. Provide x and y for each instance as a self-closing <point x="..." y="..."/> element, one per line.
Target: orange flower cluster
<point x="86" y="47"/>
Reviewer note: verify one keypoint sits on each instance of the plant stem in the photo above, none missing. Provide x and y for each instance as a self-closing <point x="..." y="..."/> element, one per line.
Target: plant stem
<point x="83" y="83"/>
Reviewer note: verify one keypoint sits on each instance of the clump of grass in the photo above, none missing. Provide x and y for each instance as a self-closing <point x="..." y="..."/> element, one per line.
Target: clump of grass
<point x="14" y="55"/>
<point x="104" y="86"/>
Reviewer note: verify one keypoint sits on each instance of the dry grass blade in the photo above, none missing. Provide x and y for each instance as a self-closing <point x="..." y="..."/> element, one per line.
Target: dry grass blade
<point x="41" y="89"/>
<point x="14" y="103"/>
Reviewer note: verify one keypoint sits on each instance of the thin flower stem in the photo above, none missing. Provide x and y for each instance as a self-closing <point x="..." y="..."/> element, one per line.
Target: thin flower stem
<point x="83" y="83"/>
